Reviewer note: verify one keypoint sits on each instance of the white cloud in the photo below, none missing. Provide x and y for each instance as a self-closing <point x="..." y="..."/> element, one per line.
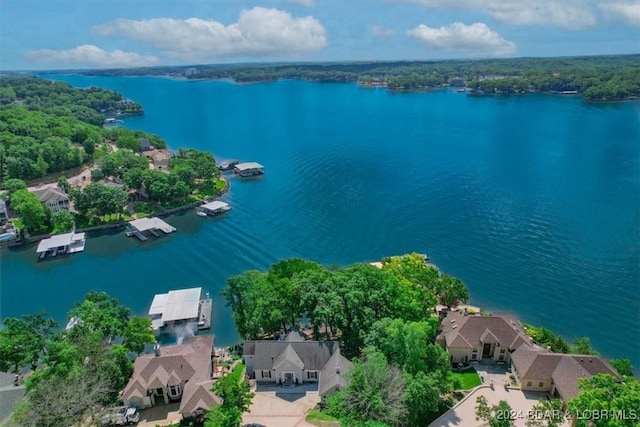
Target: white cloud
<point x="258" y="32"/>
<point x="476" y="39"/>
<point x="571" y="14"/>
<point x="92" y="56"/>
<point x="304" y="2"/>
<point x="379" y="31"/>
<point x="628" y="12"/>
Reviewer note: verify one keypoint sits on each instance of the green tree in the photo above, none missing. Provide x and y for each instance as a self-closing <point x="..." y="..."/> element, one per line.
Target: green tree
<point x="376" y="391"/>
<point x="101" y="313"/>
<point x="546" y="413"/>
<point x="453" y="291"/>
<point x="30" y="210"/>
<point x="623" y="366"/>
<point x="22" y="342"/>
<point x="603" y="393"/>
<point x="13" y="184"/>
<point x="137" y="333"/>
<point x="236" y="397"/>
<point x="499" y="415"/>
<point x="62" y="221"/>
<point x="582" y="346"/>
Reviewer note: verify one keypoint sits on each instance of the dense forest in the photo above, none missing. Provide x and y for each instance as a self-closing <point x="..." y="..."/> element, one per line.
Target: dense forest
<point x="595" y="78"/>
<point x="48" y="127"/>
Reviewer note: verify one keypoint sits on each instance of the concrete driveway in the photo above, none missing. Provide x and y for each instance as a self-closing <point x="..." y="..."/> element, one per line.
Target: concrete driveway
<point x="274" y="409"/>
<point x="464" y="413"/>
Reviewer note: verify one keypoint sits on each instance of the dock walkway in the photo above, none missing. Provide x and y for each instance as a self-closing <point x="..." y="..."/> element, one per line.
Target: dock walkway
<point x="205" y="314"/>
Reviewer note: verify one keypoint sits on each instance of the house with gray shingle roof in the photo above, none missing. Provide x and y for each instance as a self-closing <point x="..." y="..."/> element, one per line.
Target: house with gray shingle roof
<point x="174" y="373"/>
<point x="55" y="198"/>
<point x="469" y="338"/>
<point x="291" y="361"/>
<point x="541" y="370"/>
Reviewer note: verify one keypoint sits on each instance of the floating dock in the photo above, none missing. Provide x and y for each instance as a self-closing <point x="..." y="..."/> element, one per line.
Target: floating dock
<point x="214" y="208"/>
<point x="67" y="243"/>
<point x="140" y="228"/>
<point x="206" y="305"/>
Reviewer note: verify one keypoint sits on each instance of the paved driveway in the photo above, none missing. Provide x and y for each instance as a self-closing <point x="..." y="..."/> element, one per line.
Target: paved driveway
<point x="275" y="409"/>
<point x="464" y="413"/>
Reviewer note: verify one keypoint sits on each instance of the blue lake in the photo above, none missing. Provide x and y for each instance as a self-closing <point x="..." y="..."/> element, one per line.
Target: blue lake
<point x="533" y="201"/>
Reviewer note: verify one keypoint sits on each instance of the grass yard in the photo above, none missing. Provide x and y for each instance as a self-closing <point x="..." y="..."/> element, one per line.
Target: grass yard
<point x="468" y="379"/>
<point x="322" y="419"/>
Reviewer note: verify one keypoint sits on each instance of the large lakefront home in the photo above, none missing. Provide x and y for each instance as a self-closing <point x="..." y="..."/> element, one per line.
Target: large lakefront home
<point x="468" y="338"/>
<point x="55" y="198"/>
<point x="292" y="360"/>
<point x="174" y="373"/>
<point x="539" y="369"/>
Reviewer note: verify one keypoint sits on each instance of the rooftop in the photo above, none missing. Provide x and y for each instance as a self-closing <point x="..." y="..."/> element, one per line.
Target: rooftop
<point x="59" y="240"/>
<point x="176" y="305"/>
<point x="215" y="205"/>
<point x="146" y="224"/>
<point x="248" y="166"/>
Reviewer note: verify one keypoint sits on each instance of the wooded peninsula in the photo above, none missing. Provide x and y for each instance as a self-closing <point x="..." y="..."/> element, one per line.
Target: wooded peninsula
<point x="595" y="78"/>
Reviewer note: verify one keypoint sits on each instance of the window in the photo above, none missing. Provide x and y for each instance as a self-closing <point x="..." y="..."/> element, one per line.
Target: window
<point x="474" y="356"/>
<point x="312" y="375"/>
<point x="502" y="351"/>
<point x="266" y="374"/>
<point x="540" y="384"/>
<point x="529" y="383"/>
<point x="175" y="390"/>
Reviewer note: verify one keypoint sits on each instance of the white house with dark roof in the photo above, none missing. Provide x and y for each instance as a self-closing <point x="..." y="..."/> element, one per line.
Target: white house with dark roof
<point x="293" y="361"/>
<point x="174" y="373"/>
<point x="53" y="197"/>
<point x="469" y="338"/>
<point x="541" y="370"/>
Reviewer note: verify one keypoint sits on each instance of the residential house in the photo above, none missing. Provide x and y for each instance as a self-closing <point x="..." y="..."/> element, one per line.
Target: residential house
<point x="4" y="215"/>
<point x="145" y="145"/>
<point x="469" y="338"/>
<point x="541" y="370"/>
<point x="159" y="158"/>
<point x="292" y="360"/>
<point x="53" y="197"/>
<point x="174" y="373"/>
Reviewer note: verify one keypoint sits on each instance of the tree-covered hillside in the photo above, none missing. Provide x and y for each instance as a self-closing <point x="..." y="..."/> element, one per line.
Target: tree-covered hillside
<point x="606" y="78"/>
<point x="48" y="127"/>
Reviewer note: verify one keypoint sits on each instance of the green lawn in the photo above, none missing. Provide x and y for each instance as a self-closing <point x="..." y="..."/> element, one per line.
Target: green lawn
<point x="322" y="419"/>
<point x="468" y="379"/>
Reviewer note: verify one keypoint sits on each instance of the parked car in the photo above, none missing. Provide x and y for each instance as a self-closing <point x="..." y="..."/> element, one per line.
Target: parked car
<point x="120" y="416"/>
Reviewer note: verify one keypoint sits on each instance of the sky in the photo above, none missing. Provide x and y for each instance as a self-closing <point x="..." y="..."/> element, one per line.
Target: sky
<point x="73" y="34"/>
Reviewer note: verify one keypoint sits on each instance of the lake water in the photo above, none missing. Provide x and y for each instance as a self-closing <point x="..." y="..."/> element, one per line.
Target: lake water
<point x="533" y="201"/>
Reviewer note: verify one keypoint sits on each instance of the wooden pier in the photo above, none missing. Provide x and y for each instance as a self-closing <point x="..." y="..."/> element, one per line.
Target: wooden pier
<point x="204" y="321"/>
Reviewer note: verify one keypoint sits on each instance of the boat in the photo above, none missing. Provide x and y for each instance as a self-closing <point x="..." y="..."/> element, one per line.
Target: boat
<point x="201" y="213"/>
<point x="228" y="165"/>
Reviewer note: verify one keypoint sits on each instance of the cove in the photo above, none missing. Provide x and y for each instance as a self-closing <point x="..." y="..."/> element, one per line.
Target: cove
<point x="533" y="201"/>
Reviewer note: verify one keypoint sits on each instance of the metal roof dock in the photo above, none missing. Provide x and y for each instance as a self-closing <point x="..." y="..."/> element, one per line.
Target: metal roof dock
<point x="182" y="305"/>
<point x="214" y="208"/>
<point x="139" y="227"/>
<point x="248" y="169"/>
<point x="62" y="243"/>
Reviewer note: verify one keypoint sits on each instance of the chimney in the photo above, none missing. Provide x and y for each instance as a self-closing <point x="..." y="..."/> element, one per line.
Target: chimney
<point x="156" y="349"/>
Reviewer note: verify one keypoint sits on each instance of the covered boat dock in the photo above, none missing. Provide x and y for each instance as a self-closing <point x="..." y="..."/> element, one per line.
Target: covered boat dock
<point x="67" y="243"/>
<point x="248" y="169"/>
<point x="182" y="306"/>
<point x="143" y="226"/>
<point x="215" y="208"/>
